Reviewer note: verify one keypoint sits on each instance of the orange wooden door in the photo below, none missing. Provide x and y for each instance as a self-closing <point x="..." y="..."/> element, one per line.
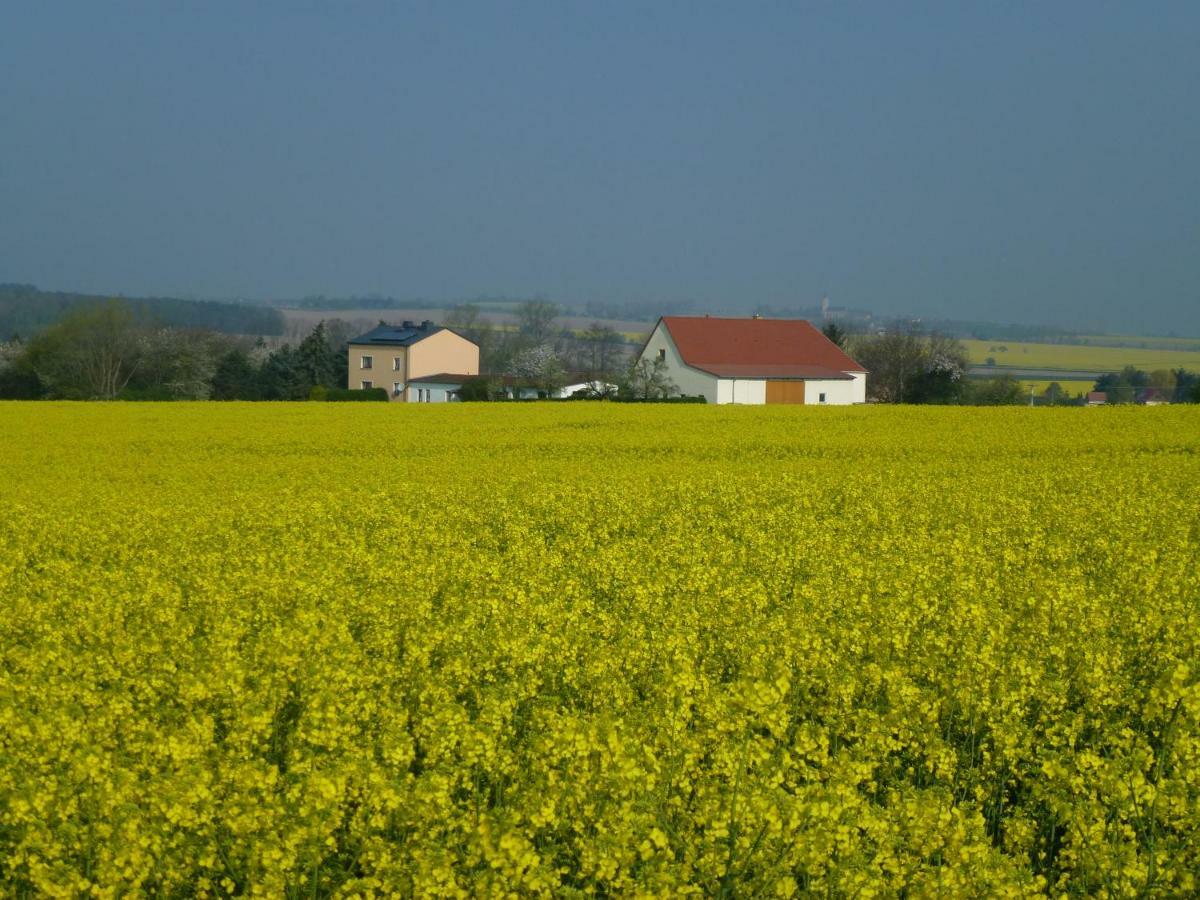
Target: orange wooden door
<point x="785" y="391"/>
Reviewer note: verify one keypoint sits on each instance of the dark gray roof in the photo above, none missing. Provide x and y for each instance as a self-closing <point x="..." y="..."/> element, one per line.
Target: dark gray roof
<point x="397" y="335"/>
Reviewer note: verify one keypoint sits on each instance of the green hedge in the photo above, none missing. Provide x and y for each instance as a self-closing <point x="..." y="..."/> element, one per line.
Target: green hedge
<point x="343" y="395"/>
<point x="699" y="398"/>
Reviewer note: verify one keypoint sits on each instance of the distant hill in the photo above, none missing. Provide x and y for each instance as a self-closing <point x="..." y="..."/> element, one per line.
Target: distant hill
<point x="25" y="311"/>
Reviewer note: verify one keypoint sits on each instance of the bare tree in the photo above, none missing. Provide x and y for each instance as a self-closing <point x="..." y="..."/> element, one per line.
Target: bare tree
<point x="894" y="359"/>
<point x="651" y="380"/>
<point x="600" y="351"/>
<point x="536" y="320"/>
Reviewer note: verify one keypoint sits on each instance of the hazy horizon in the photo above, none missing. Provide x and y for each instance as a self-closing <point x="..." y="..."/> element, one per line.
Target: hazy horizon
<point x="1033" y="164"/>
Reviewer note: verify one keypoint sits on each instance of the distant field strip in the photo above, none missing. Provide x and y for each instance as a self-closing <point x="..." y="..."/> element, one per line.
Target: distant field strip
<point x="1070" y="387"/>
<point x="1074" y="357"/>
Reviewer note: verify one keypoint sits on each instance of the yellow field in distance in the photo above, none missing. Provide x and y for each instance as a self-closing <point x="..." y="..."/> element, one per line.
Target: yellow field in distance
<point x="1077" y="357"/>
<point x="1072" y="388"/>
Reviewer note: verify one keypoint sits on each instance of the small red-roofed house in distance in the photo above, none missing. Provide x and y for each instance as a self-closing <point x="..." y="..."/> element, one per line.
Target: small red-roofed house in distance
<point x="755" y="360"/>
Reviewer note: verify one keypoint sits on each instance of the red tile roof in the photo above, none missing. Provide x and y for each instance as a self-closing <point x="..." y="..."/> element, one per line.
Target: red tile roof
<point x="758" y="348"/>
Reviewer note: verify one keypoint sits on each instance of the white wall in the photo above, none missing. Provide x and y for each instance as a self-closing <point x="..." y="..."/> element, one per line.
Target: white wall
<point x="688" y="380"/>
<point x="860" y="387"/>
<point x="837" y="393"/>
<point x="741" y="390"/>
<point x="436" y="393"/>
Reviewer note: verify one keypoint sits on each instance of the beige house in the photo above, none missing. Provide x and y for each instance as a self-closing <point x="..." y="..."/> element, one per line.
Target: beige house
<point x="401" y="359"/>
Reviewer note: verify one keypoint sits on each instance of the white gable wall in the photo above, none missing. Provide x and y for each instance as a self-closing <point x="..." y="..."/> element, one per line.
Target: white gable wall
<point x="688" y="380"/>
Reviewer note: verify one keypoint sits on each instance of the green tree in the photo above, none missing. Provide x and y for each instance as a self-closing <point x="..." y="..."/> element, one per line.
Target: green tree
<point x="92" y="353"/>
<point x="236" y="377"/>
<point x="317" y="361"/>
<point x="1187" y="386"/>
<point x="1122" y="387"/>
<point x="282" y="376"/>
<point x="475" y="389"/>
<point x="835" y="333"/>
<point x="1003" y="390"/>
<point x="18" y="381"/>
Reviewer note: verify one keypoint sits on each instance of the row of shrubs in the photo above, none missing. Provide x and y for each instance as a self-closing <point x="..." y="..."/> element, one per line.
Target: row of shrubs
<point x="368" y="395"/>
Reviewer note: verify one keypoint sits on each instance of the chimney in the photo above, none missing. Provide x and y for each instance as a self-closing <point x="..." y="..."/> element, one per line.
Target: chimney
<point x="407" y="323"/>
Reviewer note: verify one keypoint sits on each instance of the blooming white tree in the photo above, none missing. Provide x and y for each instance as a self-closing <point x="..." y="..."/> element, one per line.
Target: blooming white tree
<point x="539" y="366"/>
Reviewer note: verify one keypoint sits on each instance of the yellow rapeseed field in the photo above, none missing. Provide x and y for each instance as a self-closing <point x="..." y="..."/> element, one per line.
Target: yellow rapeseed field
<point x="569" y="649"/>
<point x="1079" y="356"/>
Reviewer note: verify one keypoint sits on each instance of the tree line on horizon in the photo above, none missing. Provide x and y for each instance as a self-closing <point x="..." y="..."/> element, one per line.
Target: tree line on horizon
<point x="114" y="350"/>
<point x="26" y="311"/>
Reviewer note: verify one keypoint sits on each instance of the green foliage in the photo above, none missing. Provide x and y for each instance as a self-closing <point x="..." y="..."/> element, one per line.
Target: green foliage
<point x="1122" y="387"/>
<point x="91" y="353"/>
<point x="236" y="377"/>
<point x="19" y="382"/>
<point x="1003" y="390"/>
<point x="835" y="333"/>
<point x="318" y="362"/>
<point x="907" y="365"/>
<point x="475" y="390"/>
<point x="699" y="398"/>
<point x="344" y="395"/>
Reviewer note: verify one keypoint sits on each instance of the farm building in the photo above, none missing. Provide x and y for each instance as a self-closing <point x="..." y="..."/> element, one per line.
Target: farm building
<point x="414" y="363"/>
<point x="754" y="361"/>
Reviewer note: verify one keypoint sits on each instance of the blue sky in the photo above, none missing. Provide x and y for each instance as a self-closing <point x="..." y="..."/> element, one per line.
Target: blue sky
<point x="1015" y="162"/>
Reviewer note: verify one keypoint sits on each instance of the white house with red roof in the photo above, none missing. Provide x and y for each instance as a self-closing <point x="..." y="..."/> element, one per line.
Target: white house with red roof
<point x="755" y="361"/>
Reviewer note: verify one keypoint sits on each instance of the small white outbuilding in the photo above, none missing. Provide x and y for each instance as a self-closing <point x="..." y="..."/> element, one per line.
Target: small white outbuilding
<point x="755" y="360"/>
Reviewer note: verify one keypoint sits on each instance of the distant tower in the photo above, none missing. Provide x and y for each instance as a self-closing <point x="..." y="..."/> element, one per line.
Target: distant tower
<point x="825" y="307"/>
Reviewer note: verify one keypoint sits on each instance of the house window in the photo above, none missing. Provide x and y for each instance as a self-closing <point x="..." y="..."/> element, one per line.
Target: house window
<point x="366" y="362"/>
<point x="820" y="398"/>
<point x="397" y="363"/>
<point x="395" y="388"/>
<point x="367" y="385"/>
<point x="662" y="355"/>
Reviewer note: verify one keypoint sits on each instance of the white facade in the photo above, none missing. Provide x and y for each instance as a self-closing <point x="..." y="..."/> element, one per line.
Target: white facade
<point x="752" y="391"/>
<point x="740" y="390"/>
<point x="424" y="392"/>
<point x="837" y="393"/>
